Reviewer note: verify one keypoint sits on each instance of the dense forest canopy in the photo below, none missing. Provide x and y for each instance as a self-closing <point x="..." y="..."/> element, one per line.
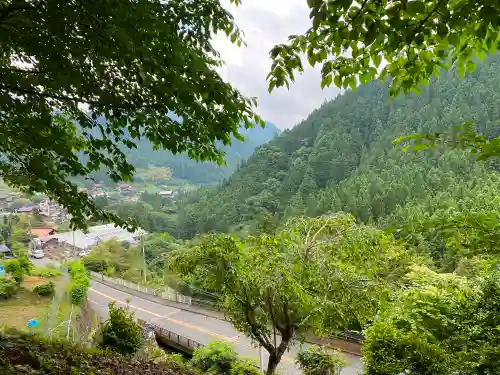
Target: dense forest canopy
<point x="342" y="158"/>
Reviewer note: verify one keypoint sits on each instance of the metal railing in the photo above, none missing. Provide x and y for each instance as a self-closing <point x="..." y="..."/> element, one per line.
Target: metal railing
<point x="165" y="293"/>
<point x="170" y="336"/>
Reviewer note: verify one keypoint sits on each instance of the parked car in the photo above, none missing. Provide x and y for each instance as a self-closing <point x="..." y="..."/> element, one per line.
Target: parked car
<point x="84" y="253"/>
<point x="36" y="253"/>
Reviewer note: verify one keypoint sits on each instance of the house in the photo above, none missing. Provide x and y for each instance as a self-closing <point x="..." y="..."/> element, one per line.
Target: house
<point x="5" y="251"/>
<point x="125" y="186"/>
<point x="167" y="193"/>
<point x="77" y="241"/>
<point x="26" y="209"/>
<point x="50" y="208"/>
<point x="98" y="186"/>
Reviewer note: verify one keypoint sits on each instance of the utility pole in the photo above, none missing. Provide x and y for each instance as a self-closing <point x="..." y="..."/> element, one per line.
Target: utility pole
<point x="144" y="268"/>
<point x="261" y="357"/>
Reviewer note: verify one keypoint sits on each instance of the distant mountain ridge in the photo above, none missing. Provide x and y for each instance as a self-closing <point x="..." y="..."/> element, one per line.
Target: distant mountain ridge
<point x="205" y="173"/>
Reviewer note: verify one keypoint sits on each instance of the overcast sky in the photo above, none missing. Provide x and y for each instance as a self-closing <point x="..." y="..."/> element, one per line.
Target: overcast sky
<point x="266" y="23"/>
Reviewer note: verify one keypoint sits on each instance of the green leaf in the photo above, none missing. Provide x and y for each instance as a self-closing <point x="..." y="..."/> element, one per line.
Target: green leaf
<point x="416" y="7"/>
<point x="338" y="81"/>
<point x="471" y="66"/>
<point x="377" y="59"/>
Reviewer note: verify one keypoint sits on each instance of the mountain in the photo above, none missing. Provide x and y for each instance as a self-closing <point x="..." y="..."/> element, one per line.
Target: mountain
<point x="182" y="168"/>
<point x="202" y="173"/>
<point x="342" y="158"/>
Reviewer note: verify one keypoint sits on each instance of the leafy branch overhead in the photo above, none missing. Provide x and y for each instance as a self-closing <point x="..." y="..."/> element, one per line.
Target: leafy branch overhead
<point x="408" y="41"/>
<point x="65" y="65"/>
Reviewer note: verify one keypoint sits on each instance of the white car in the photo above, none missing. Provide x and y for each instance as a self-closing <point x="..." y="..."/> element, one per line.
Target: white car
<point x="37" y="253"/>
<point x="83" y="253"/>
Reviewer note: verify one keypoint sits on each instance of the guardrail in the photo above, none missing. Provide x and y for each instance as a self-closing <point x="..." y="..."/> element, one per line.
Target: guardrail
<point x="171" y="295"/>
<point x="165" y="293"/>
<point x="170" y="338"/>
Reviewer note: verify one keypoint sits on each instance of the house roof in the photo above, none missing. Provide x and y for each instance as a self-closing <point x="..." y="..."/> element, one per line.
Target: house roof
<point x="96" y="234"/>
<point x="26" y="209"/>
<point x="42" y="232"/>
<point x="4" y="248"/>
<point x="166" y="192"/>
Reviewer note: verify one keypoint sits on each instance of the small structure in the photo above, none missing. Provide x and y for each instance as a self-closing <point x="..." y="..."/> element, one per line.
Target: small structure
<point x="26" y="209"/>
<point x="78" y="241"/>
<point x="5" y="251"/>
<point x="125" y="186"/>
<point x="167" y="193"/>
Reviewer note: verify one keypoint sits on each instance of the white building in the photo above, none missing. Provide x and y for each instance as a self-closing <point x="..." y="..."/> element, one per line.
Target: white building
<point x="51" y="209"/>
<point x="94" y="235"/>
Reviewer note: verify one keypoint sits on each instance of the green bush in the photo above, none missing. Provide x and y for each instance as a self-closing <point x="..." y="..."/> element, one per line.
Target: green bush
<point x="13" y="268"/>
<point x="315" y="360"/>
<point x="45" y="289"/>
<point x="26" y="265"/>
<point x="8" y="288"/>
<point x="46" y="272"/>
<point x="244" y="366"/>
<point x="79" y="284"/>
<point x="120" y="332"/>
<point x="217" y="357"/>
<point x="96" y="265"/>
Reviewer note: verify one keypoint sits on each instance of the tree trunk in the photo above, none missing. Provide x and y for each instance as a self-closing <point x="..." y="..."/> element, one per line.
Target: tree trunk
<point x="272" y="364"/>
<point x="275" y="356"/>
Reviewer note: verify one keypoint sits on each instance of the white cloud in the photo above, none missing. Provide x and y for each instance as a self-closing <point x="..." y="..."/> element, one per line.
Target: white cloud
<point x="266" y="23"/>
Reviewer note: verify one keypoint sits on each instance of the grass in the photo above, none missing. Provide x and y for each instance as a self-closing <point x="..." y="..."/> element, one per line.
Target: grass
<point x="25" y="305"/>
<point x="46" y="272"/>
<point x="15" y="312"/>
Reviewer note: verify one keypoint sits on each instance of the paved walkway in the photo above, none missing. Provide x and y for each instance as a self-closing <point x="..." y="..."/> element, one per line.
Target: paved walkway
<point x="194" y="326"/>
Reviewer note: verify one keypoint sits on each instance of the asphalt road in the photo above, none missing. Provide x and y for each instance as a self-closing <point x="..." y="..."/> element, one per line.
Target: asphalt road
<point x="194" y="326"/>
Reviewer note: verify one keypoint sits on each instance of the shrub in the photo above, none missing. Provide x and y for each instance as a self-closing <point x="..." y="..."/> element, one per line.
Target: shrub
<point x="26" y="265"/>
<point x="8" y="288"/>
<point x="217" y="357"/>
<point x="13" y="267"/>
<point x="121" y="333"/>
<point x="79" y="284"/>
<point x="46" y="272"/>
<point x="96" y="265"/>
<point x="45" y="289"/>
<point x="315" y="360"/>
<point x="244" y="366"/>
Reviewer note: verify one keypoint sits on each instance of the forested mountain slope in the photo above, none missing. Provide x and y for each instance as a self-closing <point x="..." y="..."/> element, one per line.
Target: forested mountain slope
<point x="342" y="158"/>
<point x="203" y="173"/>
<point x="184" y="168"/>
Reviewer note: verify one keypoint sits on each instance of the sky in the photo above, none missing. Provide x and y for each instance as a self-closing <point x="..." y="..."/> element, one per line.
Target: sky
<point x="266" y="23"/>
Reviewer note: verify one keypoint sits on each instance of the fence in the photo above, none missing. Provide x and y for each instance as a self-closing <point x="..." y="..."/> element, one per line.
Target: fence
<point x="165" y="293"/>
<point x="171" y="338"/>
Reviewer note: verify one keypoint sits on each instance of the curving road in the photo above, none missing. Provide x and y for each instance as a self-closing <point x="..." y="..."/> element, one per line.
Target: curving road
<point x="194" y="326"/>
